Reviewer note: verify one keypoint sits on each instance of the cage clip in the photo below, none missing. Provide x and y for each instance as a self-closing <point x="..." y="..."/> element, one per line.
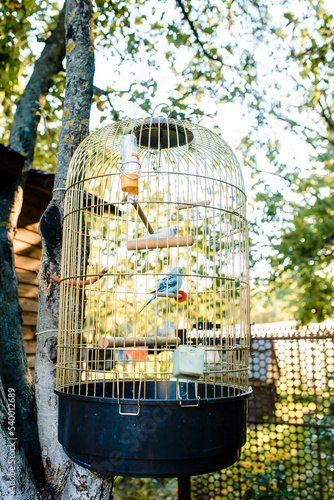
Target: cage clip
<point x="185" y="402"/>
<point x="130" y="414"/>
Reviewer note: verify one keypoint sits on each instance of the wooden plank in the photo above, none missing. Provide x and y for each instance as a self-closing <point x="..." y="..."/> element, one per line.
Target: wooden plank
<point x="29" y="331"/>
<point x="29" y="305"/>
<point x="31" y="213"/>
<point x="27" y="263"/>
<point x="30" y="347"/>
<point x="23" y="234"/>
<point x="30" y="227"/>
<point x="24" y="248"/>
<point x="26" y="220"/>
<point x="31" y="358"/>
<point x="35" y="202"/>
<point x="28" y="277"/>
<point x="41" y="181"/>
<point x="28" y="291"/>
<point x="29" y="318"/>
<point x="11" y="161"/>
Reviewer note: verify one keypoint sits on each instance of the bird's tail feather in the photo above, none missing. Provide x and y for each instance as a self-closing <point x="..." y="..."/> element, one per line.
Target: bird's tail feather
<point x="151" y="299"/>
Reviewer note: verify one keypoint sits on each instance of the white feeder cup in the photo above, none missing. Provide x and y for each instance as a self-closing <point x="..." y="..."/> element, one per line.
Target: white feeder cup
<point x="188" y="362"/>
<point x="130" y="168"/>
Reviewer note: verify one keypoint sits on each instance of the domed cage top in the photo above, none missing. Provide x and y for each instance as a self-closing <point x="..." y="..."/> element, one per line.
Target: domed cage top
<point x="154" y="297"/>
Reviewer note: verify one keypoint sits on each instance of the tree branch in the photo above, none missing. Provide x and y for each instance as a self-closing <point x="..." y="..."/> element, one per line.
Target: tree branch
<point x="99" y="92"/>
<point x="293" y="124"/>
<point x="286" y="179"/>
<point x="197" y="38"/>
<point x="24" y="129"/>
<point x="327" y="117"/>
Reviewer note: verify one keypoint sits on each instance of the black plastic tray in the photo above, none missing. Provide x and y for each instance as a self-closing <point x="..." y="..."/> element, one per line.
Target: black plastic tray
<point x="152" y="434"/>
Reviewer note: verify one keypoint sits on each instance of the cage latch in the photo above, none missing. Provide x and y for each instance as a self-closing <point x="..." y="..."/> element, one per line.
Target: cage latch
<point x="123" y="405"/>
<point x="186" y="402"/>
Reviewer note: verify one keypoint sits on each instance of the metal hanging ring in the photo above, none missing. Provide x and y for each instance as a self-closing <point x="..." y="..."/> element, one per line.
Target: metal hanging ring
<point x="162" y="104"/>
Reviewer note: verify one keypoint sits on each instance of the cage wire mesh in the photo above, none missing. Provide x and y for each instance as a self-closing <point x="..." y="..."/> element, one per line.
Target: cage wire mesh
<point x="191" y="189"/>
<point x="154" y="301"/>
<point x="290" y="444"/>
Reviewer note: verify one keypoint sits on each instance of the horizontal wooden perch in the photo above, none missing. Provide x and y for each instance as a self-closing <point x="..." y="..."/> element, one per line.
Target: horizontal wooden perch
<point x="193" y="205"/>
<point x="137" y="342"/>
<point x="171" y="295"/>
<point x="145" y="244"/>
<point x="88" y="281"/>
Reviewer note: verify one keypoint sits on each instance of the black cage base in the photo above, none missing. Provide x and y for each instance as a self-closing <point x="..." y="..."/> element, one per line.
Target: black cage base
<point x="163" y="437"/>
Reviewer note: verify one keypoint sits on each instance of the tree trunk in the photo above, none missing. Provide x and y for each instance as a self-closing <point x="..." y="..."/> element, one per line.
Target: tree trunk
<point x="16" y="478"/>
<point x="65" y="477"/>
<point x="14" y="371"/>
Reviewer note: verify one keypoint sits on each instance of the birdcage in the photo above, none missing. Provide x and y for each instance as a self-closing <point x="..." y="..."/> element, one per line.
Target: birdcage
<point x="152" y="369"/>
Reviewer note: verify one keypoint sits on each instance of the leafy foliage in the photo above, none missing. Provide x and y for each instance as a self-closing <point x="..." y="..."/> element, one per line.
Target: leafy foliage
<point x="273" y="60"/>
<point x="266" y="482"/>
<point x="24" y="27"/>
<point x="144" y="489"/>
<point x="296" y="211"/>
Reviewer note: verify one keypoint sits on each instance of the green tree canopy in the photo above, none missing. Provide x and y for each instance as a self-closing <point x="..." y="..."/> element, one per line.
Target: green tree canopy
<point x="273" y="60"/>
<point x="297" y="209"/>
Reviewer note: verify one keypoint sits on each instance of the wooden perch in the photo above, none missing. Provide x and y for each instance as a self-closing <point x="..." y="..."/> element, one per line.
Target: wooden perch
<point x="140" y="213"/>
<point x="88" y="281"/>
<point x="143" y="217"/>
<point x="180" y="296"/>
<point x="193" y="205"/>
<point x="171" y="295"/>
<point x="137" y="342"/>
<point x="145" y="244"/>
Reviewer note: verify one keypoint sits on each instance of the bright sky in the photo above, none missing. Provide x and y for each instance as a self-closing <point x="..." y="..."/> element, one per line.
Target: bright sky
<point x="229" y="117"/>
<point x="329" y="5"/>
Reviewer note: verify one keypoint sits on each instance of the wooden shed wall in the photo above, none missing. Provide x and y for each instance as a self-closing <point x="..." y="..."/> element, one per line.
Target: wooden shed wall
<point x="27" y="243"/>
<point x="28" y="251"/>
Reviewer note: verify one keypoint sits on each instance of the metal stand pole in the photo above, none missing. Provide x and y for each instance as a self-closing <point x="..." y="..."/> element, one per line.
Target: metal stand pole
<point x="184" y="488"/>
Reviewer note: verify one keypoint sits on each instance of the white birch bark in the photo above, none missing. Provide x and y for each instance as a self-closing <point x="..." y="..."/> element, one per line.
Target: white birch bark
<point x="67" y="479"/>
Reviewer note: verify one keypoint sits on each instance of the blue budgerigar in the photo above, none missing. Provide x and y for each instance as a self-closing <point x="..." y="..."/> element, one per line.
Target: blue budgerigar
<point x="168" y="284"/>
<point x="163" y="232"/>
